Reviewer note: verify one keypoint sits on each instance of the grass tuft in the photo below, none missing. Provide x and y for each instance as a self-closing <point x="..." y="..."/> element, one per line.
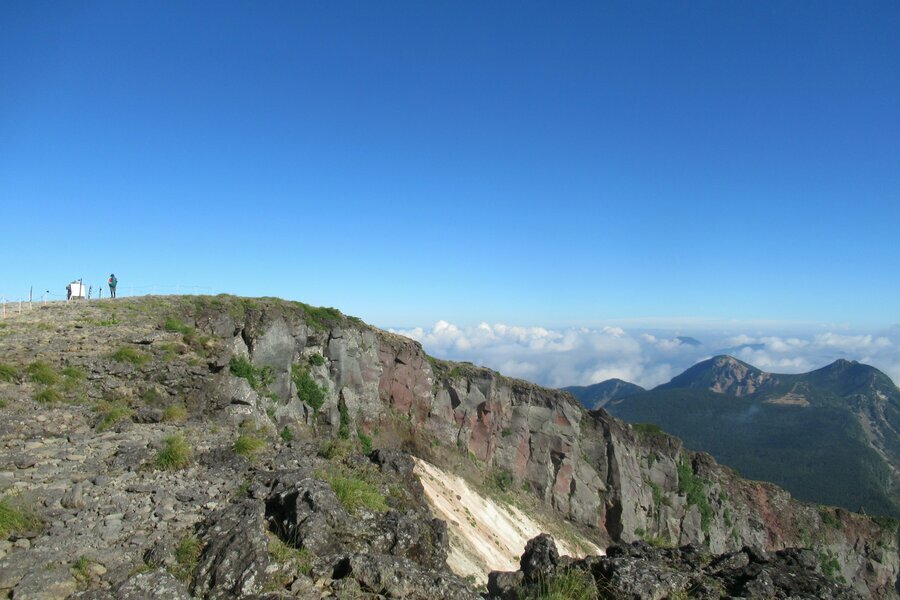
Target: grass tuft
<point x="48" y="395"/>
<point x="111" y="413"/>
<point x="8" y="373"/>
<point x="570" y="584"/>
<point x="174" y="413"/>
<point x="175" y="454"/>
<point x="41" y="372"/>
<point x="81" y="570"/>
<point x="130" y="355"/>
<point x="308" y="391"/>
<point x="16" y="518"/>
<point x="259" y="378"/>
<point x="73" y="373"/>
<point x="354" y="492"/>
<point x="283" y="554"/>
<point x="187" y="556"/>
<point x="176" y="326"/>
<point x="248" y="445"/>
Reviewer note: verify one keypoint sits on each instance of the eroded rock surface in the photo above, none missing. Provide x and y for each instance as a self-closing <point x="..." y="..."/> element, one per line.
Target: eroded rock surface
<point x="130" y="373"/>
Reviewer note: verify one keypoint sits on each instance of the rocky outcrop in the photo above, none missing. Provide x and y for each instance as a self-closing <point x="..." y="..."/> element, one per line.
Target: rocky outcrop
<point x="618" y="483"/>
<point x="235" y="552"/>
<point x="640" y="572"/>
<point x="592" y="468"/>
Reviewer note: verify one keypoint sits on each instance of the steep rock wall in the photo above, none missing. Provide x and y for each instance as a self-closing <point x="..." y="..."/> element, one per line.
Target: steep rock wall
<point x="597" y="471"/>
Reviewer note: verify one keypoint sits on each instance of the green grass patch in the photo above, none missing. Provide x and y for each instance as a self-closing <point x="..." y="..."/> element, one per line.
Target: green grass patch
<point x="74" y="373"/>
<point x="111" y="413"/>
<point x="500" y="480"/>
<point x="16" y="518"/>
<point x="281" y="553"/>
<point x="355" y="492"/>
<point x="570" y="584"/>
<point x="647" y="429"/>
<point x="41" y="372"/>
<point x="8" y="373"/>
<point x="286" y="434"/>
<point x="187" y="556"/>
<point x="248" y="445"/>
<point x="829" y="518"/>
<point x="365" y="442"/>
<point x="81" y="570"/>
<point x="308" y="391"/>
<point x="259" y="378"/>
<point x="316" y="360"/>
<point x="321" y="317"/>
<point x="344" y="427"/>
<point x="694" y="488"/>
<point x="130" y="355"/>
<point x="831" y="568"/>
<point x="168" y="351"/>
<point x="176" y="326"/>
<point x="174" y="413"/>
<point x="337" y="449"/>
<point x="48" y="395"/>
<point x="175" y="454"/>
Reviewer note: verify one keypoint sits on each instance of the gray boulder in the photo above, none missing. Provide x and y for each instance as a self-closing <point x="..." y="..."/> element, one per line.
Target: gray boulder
<point x="235" y="552"/>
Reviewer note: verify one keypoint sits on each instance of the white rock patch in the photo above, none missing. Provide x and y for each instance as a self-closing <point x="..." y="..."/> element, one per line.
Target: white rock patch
<point x="484" y="535"/>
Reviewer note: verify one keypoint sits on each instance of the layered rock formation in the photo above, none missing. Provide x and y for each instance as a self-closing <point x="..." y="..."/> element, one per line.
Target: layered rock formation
<point x="619" y="484"/>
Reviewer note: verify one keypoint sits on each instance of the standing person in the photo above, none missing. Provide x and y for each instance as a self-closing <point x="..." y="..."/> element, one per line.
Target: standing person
<point x="68" y="292"/>
<point x="112" y="283"/>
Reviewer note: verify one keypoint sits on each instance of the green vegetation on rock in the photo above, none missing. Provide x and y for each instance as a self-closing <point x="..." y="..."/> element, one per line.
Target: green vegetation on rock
<point x="259" y="378"/>
<point x="16" y="517"/>
<point x="48" y="395"/>
<point x="344" y="427"/>
<point x="175" y="453"/>
<point x="694" y="488"/>
<point x="355" y="492"/>
<point x="111" y="413"/>
<point x="365" y="442"/>
<point x="8" y="373"/>
<point x="569" y="584"/>
<point x="174" y="413"/>
<point x="177" y="326"/>
<point x="41" y="372"/>
<point x="130" y="355"/>
<point x="308" y="391"/>
<point x="187" y="556"/>
<point x="248" y="445"/>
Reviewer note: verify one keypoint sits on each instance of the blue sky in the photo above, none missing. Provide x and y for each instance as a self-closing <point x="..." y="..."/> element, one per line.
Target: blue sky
<point x="531" y="163"/>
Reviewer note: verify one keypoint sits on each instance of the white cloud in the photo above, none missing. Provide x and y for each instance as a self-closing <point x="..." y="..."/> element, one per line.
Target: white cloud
<point x="581" y="356"/>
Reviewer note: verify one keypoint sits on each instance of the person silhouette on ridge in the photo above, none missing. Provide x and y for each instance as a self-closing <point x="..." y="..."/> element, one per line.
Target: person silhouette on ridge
<point x="113" y="282"/>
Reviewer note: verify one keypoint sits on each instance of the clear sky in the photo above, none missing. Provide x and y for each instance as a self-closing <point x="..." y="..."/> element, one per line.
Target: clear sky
<point x="534" y="163"/>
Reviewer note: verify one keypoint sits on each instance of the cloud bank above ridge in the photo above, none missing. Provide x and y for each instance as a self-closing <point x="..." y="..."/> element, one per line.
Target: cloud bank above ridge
<point x="583" y="355"/>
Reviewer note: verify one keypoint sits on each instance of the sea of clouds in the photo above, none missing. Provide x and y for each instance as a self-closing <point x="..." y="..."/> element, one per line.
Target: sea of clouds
<point x="647" y="357"/>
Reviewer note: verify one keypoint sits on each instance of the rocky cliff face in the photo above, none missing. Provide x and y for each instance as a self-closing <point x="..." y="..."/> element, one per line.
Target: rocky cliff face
<point x="617" y="482"/>
<point x="594" y="469"/>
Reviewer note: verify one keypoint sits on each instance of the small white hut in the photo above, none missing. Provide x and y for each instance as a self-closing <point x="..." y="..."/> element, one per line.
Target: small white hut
<point x="77" y="290"/>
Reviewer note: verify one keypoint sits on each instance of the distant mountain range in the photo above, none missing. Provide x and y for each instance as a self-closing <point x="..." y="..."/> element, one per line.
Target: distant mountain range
<point x="600" y="394"/>
<point x="830" y="436"/>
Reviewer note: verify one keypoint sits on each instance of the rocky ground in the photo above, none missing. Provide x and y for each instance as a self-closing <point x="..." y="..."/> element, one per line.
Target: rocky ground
<point x="139" y="460"/>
